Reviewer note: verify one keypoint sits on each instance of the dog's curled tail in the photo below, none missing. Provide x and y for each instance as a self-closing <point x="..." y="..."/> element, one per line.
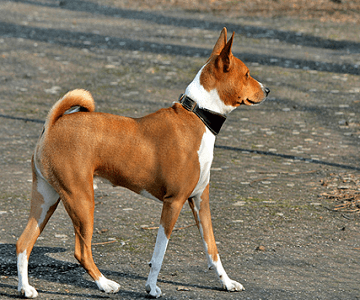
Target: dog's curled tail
<point x="73" y="101"/>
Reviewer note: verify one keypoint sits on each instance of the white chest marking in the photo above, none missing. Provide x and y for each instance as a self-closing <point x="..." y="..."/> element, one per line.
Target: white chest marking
<point x="206" y="153"/>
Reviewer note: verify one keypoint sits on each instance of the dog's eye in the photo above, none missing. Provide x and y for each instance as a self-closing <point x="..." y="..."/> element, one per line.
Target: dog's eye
<point x="247" y="74"/>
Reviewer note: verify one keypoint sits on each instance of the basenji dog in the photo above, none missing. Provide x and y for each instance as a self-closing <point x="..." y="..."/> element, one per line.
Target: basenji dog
<point x="165" y="155"/>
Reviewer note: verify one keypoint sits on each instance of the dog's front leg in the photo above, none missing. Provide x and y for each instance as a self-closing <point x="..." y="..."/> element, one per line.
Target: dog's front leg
<point x="155" y="263"/>
<point x="170" y="212"/>
<point x="201" y="210"/>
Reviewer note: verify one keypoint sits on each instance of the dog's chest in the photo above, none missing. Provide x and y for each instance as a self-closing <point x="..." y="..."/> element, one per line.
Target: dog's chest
<point x="205" y="153"/>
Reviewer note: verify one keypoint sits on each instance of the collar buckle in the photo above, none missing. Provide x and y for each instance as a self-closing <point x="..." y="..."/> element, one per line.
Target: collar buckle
<point x="211" y="119"/>
<point x="186" y="102"/>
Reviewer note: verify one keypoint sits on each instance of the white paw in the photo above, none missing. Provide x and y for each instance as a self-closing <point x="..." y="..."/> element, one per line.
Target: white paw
<point x="153" y="292"/>
<point x="28" y="291"/>
<point x="233" y="286"/>
<point x="106" y="285"/>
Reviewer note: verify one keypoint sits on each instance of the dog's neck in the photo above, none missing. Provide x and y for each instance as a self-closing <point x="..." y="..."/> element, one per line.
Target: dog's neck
<point x="207" y="99"/>
<point x="211" y="119"/>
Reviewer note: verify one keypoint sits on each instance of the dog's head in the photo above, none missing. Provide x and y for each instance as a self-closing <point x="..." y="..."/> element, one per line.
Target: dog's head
<point x="230" y="77"/>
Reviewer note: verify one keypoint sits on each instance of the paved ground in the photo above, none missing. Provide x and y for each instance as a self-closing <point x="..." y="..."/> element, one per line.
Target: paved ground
<point x="276" y="231"/>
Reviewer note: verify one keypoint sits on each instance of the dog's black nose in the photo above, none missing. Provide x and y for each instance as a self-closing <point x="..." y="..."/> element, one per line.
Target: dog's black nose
<point x="267" y="91"/>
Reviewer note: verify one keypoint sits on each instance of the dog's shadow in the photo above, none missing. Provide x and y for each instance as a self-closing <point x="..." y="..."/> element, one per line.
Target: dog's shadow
<point x="44" y="267"/>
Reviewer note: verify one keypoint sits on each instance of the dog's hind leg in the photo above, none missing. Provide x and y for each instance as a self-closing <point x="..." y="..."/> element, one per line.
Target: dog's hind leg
<point x="44" y="201"/>
<point x="170" y="212"/>
<point x="201" y="210"/>
<point x="79" y="204"/>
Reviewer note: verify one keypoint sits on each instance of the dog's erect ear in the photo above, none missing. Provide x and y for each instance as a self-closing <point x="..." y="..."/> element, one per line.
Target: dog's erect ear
<point x="225" y="54"/>
<point x="221" y="42"/>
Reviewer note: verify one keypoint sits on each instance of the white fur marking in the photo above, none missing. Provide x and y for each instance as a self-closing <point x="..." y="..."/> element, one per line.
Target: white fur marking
<point x="47" y="191"/>
<point x="72" y="110"/>
<point x="205" y="153"/>
<point x="23" y="285"/>
<point x="106" y="285"/>
<point x="209" y="100"/>
<point x="227" y="283"/>
<point x="156" y="262"/>
<point x="50" y="198"/>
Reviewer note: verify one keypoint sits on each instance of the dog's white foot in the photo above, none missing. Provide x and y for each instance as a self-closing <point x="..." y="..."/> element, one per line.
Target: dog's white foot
<point x="227" y="283"/>
<point x="233" y="286"/>
<point x="106" y="285"/>
<point x="28" y="291"/>
<point x="153" y="291"/>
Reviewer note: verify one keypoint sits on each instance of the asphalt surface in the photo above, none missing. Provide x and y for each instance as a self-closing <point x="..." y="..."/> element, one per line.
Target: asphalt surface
<point x="276" y="232"/>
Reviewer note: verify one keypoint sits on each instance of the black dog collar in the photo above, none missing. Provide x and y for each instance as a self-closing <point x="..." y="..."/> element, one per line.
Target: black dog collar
<point x="211" y="119"/>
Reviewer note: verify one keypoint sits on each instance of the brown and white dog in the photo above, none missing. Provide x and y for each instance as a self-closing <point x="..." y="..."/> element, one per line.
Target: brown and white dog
<point x="165" y="155"/>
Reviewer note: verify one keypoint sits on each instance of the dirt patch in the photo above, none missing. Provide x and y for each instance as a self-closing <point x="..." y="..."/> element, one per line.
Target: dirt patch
<point x="344" y="191"/>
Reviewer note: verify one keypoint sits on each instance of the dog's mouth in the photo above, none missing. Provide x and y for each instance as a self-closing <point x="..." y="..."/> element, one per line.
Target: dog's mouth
<point x="248" y="101"/>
